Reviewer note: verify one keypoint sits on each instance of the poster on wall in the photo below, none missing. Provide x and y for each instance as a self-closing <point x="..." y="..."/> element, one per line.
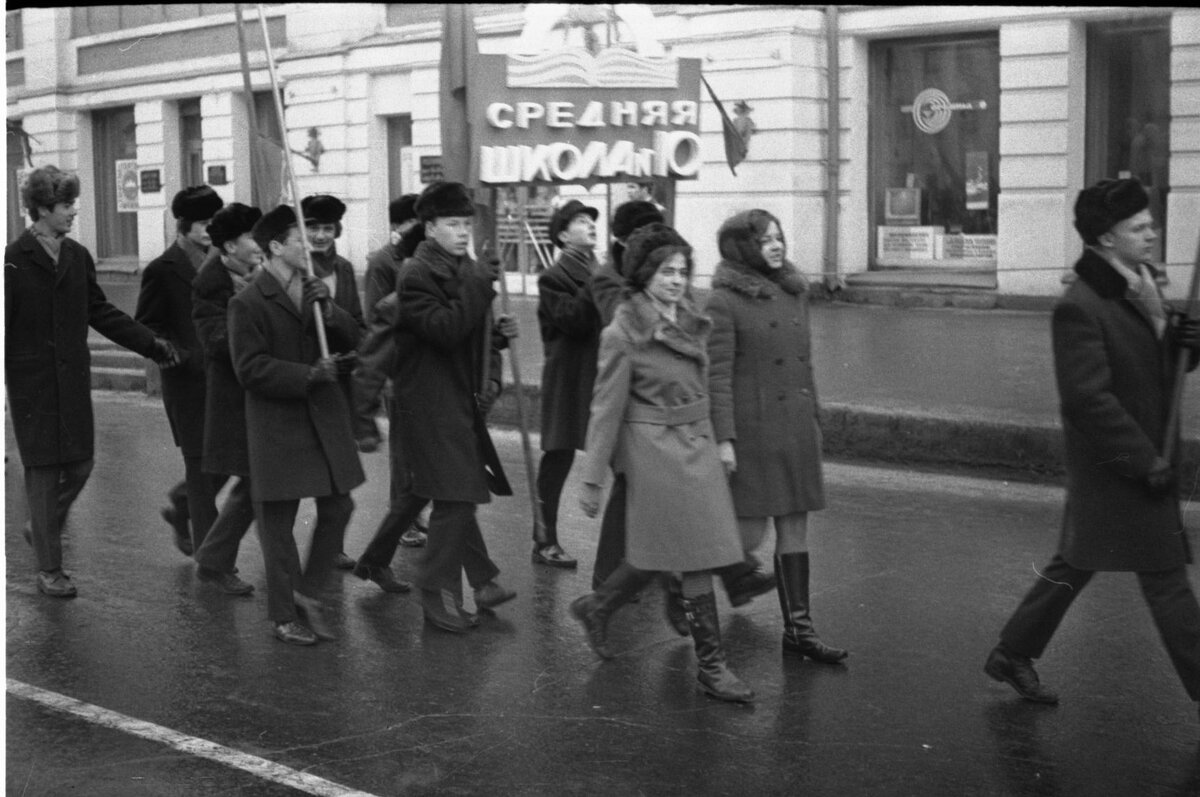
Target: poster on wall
<point x="977" y="180"/>
<point x="127" y="185"/>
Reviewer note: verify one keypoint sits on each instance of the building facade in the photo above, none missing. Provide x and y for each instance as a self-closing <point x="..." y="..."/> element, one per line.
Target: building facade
<point x="961" y="134"/>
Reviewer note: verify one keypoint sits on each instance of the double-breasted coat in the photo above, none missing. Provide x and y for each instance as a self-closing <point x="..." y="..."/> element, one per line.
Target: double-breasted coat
<point x="570" y="328"/>
<point x="165" y="306"/>
<point x="1115" y="378"/>
<point x="650" y="422"/>
<point x="444" y="316"/>
<point x="47" y="312"/>
<point x="764" y="397"/>
<point x="298" y="436"/>
<point x="225" y="449"/>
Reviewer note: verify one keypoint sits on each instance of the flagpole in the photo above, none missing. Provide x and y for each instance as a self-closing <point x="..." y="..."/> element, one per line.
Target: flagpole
<point x="287" y="159"/>
<point x="1181" y="367"/>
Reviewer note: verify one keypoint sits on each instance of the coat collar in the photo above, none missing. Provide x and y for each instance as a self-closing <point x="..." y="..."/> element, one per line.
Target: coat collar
<point x="36" y="252"/>
<point x="686" y="336"/>
<point x="576" y="266"/>
<point x="1099" y="274"/>
<point x="268" y="285"/>
<point x="444" y="265"/>
<point x="743" y="279"/>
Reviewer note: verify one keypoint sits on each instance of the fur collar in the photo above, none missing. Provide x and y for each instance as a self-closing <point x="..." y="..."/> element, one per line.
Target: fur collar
<point x="687" y="336"/>
<point x="1105" y="280"/>
<point x="745" y="280"/>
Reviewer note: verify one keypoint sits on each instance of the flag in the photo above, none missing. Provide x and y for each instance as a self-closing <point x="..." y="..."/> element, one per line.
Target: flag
<point x="459" y="52"/>
<point x="735" y="145"/>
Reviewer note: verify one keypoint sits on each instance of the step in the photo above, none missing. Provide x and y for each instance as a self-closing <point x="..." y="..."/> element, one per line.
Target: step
<point x="123" y="379"/>
<point x="118" y="358"/>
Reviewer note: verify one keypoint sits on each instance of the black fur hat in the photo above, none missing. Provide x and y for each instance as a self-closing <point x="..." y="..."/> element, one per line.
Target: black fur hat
<point x="197" y="203"/>
<point x="444" y="199"/>
<point x="272" y="225"/>
<point x="232" y="221"/>
<point x="563" y="216"/>
<point x="322" y="209"/>
<point x="647" y="248"/>
<point x="630" y="215"/>
<point x="1105" y="204"/>
<point x="402" y="209"/>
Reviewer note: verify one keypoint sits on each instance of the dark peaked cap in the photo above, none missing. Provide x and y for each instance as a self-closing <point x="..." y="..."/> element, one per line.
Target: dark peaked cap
<point x="564" y="215"/>
<point x="197" y="203"/>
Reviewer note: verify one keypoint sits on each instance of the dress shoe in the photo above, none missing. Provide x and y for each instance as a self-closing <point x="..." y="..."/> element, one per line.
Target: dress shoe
<point x="313" y="613"/>
<point x="56" y="584"/>
<point x="1017" y="671"/>
<point x="748" y="586"/>
<point x="343" y="562"/>
<point x="294" y="634"/>
<point x="383" y="576"/>
<point x="414" y="537"/>
<point x="443" y="611"/>
<point x="226" y="582"/>
<point x="554" y="556"/>
<point x="183" y="538"/>
<point x="491" y="595"/>
<point x="368" y="444"/>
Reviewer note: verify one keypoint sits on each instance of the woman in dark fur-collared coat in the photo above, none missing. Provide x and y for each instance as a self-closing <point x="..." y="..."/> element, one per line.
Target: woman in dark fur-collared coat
<point x="765" y="408"/>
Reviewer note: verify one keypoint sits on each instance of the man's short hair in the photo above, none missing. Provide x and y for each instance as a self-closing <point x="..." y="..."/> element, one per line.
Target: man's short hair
<point x="46" y="187"/>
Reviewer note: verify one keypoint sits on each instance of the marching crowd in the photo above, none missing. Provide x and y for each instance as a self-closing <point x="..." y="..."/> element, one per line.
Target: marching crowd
<point x="702" y="420"/>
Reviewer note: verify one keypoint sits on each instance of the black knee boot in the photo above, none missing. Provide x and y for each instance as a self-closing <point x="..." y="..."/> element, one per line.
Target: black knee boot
<point x="594" y="609"/>
<point x="799" y="636"/>
<point x="715" y="678"/>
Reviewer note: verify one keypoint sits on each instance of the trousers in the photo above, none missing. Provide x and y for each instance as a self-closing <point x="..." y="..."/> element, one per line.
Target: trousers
<point x="51" y="490"/>
<point x="455" y="544"/>
<point x="281" y="558"/>
<point x="219" y="550"/>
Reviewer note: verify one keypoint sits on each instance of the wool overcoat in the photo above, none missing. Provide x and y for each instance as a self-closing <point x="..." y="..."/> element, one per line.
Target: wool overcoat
<point x="650" y="420"/>
<point x="225" y="401"/>
<point x="165" y="306"/>
<point x="299" y="437"/>
<point x="48" y="310"/>
<point x="1115" y="378"/>
<point x="570" y="327"/>
<point x="764" y="398"/>
<point x="444" y="316"/>
<point x="383" y="268"/>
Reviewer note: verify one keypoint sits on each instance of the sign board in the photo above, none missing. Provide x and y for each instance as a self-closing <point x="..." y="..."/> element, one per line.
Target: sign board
<point x="217" y="175"/>
<point x="965" y="247"/>
<point x="906" y="243"/>
<point x="127" y="185"/>
<point x="431" y="169"/>
<point x="568" y="116"/>
<point x="151" y="181"/>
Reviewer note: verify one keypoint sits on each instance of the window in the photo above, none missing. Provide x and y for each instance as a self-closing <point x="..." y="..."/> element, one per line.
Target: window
<point x="399" y="143"/>
<point x="94" y="20"/>
<point x="191" y="145"/>
<point x="114" y="134"/>
<point x="934" y="146"/>
<point x="1128" y="108"/>
<point x="14" y="34"/>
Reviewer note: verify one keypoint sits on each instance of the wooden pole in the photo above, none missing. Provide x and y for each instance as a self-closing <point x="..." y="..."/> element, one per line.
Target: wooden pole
<point x="256" y="159"/>
<point x="287" y="159"/>
<point x="1181" y="366"/>
<point x="539" y="523"/>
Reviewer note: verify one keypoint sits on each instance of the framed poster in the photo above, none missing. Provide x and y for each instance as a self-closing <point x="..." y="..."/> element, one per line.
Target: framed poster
<point x="128" y="185"/>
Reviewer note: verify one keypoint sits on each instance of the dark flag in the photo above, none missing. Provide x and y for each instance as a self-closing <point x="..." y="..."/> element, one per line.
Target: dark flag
<point x="459" y="52"/>
<point x="735" y="145"/>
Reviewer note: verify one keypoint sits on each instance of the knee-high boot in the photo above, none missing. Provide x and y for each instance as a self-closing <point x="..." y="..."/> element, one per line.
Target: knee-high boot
<point x="594" y="609"/>
<point x="673" y="601"/>
<point x="714" y="676"/>
<point x="799" y="636"/>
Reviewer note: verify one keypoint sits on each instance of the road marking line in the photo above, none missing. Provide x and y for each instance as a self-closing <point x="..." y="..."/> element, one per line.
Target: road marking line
<point x="192" y="745"/>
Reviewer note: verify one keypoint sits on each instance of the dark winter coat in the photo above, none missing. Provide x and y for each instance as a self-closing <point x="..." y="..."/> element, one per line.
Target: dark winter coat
<point x="165" y="306"/>
<point x="764" y="398"/>
<point x="1115" y="380"/>
<point x="225" y="401"/>
<point x="46" y="361"/>
<point x="650" y="420"/>
<point x="570" y="327"/>
<point x="345" y="292"/>
<point x="383" y="267"/>
<point x="444" y="319"/>
<point x="607" y="290"/>
<point x="298" y="436"/>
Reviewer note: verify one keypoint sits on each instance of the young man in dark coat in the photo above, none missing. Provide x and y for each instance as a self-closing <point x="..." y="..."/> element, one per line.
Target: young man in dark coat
<point x="165" y="305"/>
<point x="570" y="327"/>
<point x="445" y="336"/>
<point x="50" y="299"/>
<point x="297" y="422"/>
<point x="232" y="264"/>
<point x="1115" y="347"/>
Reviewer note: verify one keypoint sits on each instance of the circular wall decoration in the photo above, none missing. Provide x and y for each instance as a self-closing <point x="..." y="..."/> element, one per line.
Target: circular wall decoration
<point x="931" y="111"/>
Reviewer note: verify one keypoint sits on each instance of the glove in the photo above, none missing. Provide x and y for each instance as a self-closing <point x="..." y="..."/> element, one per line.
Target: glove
<point x="165" y="353"/>
<point x="728" y="457"/>
<point x="1161" y="478"/>
<point x="507" y="326"/>
<point x="489" y="394"/>
<point x="323" y="370"/>
<point x="1187" y="332"/>
<point x="346" y="363"/>
<point x="315" y="291"/>
<point x="493" y="268"/>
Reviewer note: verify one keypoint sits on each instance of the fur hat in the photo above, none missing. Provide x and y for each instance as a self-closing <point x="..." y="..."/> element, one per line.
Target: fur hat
<point x="631" y="215"/>
<point x="563" y="217"/>
<point x="272" y="225"/>
<point x="231" y="222"/>
<point x="402" y="209"/>
<point x="322" y="209"/>
<point x="646" y="250"/>
<point x="197" y="203"/>
<point x="444" y="199"/>
<point x="737" y="240"/>
<point x="1105" y="204"/>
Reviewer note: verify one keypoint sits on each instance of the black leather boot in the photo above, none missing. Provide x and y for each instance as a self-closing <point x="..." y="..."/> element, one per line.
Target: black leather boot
<point x="714" y="677"/>
<point x="594" y="609"/>
<point x="745" y="580"/>
<point x="673" y="600"/>
<point x="799" y="636"/>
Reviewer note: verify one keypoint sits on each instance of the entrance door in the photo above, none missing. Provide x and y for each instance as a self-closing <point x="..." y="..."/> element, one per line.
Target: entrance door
<point x="114" y="134"/>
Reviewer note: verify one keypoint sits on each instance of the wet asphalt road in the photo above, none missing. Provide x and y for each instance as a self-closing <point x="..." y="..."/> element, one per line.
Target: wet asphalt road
<point x="913" y="573"/>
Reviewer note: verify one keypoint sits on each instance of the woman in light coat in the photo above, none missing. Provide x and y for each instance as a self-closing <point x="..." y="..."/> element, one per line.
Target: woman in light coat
<point x="650" y="423"/>
<point x="764" y="408"/>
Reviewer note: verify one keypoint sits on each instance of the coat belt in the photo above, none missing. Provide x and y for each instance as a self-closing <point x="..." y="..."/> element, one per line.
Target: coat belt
<point x="667" y="416"/>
